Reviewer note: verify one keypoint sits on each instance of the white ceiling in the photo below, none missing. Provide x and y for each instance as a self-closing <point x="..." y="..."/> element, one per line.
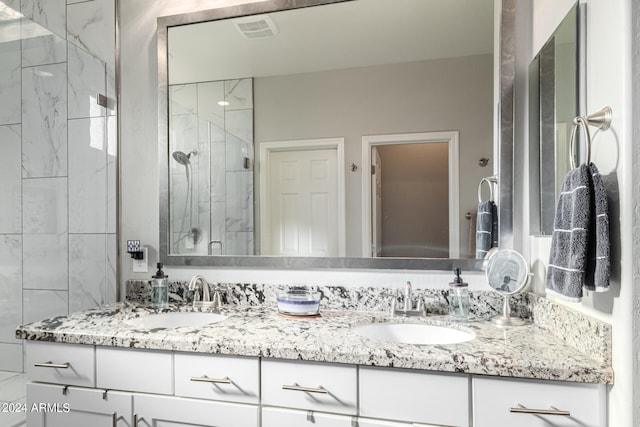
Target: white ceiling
<point x="344" y="35"/>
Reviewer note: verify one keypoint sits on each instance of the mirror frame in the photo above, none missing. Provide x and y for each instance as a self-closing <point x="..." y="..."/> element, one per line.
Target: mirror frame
<point x="504" y="135"/>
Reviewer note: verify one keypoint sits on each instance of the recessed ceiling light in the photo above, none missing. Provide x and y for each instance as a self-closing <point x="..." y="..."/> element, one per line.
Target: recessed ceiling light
<point x="223" y="103"/>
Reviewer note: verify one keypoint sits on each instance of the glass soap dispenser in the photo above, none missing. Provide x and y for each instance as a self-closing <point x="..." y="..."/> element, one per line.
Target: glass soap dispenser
<point x="160" y="288"/>
<point x="458" y="297"/>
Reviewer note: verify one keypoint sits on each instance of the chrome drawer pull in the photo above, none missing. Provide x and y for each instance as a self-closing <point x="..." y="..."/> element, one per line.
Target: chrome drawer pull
<point x="114" y="419"/>
<point x="551" y="411"/>
<point x="224" y="380"/>
<point x="52" y="365"/>
<point x="319" y="389"/>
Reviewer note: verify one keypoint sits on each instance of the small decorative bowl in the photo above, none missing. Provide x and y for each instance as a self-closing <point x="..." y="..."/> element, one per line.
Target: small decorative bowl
<point x="298" y="302"/>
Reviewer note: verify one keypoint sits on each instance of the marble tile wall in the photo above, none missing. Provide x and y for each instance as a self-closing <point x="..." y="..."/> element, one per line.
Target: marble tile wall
<point x="58" y="163"/>
<point x="222" y="188"/>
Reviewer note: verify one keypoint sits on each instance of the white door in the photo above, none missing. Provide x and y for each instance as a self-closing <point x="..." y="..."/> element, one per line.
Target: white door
<point x="376" y="203"/>
<point x="54" y="406"/>
<point x="302" y="203"/>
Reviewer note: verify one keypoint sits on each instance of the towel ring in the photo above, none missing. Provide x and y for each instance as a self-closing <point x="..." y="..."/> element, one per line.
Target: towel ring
<point x="490" y="180"/>
<point x="601" y="120"/>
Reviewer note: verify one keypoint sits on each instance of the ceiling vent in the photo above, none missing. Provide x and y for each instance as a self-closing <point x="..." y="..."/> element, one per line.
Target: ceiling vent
<point x="256" y="27"/>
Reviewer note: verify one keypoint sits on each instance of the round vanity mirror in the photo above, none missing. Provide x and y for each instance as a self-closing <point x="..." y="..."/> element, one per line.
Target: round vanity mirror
<point x="507" y="274"/>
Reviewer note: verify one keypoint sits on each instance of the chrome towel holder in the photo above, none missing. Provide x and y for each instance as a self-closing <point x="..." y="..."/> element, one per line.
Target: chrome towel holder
<point x="601" y="120"/>
<point x="490" y="180"/>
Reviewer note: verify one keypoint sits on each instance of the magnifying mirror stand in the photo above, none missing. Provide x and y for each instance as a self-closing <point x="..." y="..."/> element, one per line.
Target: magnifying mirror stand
<point x="505" y="319"/>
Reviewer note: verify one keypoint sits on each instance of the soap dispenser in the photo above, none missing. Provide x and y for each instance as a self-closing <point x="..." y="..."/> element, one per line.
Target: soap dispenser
<point x="159" y="288"/>
<point x="458" y="297"/>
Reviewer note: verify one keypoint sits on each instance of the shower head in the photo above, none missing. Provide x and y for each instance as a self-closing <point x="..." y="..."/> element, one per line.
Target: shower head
<point x="183" y="158"/>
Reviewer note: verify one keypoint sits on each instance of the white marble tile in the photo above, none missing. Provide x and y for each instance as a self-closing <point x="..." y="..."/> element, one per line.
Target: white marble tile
<point x="183" y="99"/>
<point x="91" y="26"/>
<point x="240" y="124"/>
<point x="183" y="137"/>
<point x="87" y="77"/>
<point x="218" y="220"/>
<point x="45" y="206"/>
<point x="13" y="389"/>
<point x="87" y="176"/>
<point x="11" y="358"/>
<point x="77" y="1"/>
<point x="111" y="92"/>
<point x="218" y="173"/>
<point x="46" y="262"/>
<point x="42" y="304"/>
<point x="10" y="177"/>
<point x="44" y="121"/>
<point x="87" y="271"/>
<point x="239" y="201"/>
<point x="112" y="262"/>
<point x="51" y="14"/>
<point x="10" y="83"/>
<point x="12" y="4"/>
<point x="210" y="113"/>
<point x="235" y="152"/>
<point x="11" y="289"/>
<point x="112" y="160"/>
<point x="41" y="49"/>
<point x="239" y="94"/>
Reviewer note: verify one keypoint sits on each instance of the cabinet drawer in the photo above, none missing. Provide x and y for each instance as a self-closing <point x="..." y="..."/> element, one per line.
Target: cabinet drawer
<point x="311" y="386"/>
<point x="416" y="396"/>
<point x="279" y="417"/>
<point x="231" y="379"/>
<point x="493" y="399"/>
<point x="134" y="370"/>
<point x="67" y="364"/>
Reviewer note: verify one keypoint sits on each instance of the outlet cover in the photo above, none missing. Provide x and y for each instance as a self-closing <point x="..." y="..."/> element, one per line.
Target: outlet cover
<point x="141" y="265"/>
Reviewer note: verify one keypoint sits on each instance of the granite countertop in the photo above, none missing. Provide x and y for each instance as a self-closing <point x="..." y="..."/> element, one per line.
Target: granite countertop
<point x="524" y="352"/>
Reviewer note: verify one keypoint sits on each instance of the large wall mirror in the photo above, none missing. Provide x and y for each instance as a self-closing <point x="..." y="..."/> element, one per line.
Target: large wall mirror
<point x="556" y="97"/>
<point x="267" y="111"/>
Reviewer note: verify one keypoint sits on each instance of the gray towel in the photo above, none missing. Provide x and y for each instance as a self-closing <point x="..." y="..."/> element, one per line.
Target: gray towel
<point x="486" y="228"/>
<point x="579" y="245"/>
<point x="598" y="267"/>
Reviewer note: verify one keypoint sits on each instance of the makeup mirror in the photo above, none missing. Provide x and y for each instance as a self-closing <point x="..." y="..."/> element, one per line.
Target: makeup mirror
<point x="507" y="274"/>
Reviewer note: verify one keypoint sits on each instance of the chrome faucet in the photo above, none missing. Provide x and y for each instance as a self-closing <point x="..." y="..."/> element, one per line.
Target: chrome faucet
<point x="204" y="285"/>
<point x="408" y="306"/>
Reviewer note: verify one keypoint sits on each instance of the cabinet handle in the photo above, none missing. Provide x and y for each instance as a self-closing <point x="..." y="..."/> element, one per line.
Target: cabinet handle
<point x="136" y="419"/>
<point x="224" y="380"/>
<point x="551" y="411"/>
<point x="318" y="389"/>
<point x="49" y="364"/>
<point x="114" y="419"/>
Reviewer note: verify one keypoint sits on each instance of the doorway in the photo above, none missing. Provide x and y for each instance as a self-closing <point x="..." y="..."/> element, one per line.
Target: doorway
<point x="410" y="200"/>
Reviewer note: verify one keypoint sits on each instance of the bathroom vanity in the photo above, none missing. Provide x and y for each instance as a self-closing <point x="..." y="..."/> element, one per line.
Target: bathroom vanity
<point x="255" y="368"/>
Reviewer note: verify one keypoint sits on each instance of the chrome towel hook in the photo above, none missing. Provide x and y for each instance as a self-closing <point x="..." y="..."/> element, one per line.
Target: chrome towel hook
<point x="601" y="120"/>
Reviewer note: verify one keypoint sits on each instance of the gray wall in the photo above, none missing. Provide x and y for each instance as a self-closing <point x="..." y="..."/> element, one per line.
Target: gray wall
<point x="426" y="96"/>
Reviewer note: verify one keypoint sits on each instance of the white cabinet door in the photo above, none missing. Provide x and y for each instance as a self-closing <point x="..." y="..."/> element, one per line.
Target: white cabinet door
<point x="572" y="404"/>
<point x="52" y="406"/>
<point x="165" y="411"/>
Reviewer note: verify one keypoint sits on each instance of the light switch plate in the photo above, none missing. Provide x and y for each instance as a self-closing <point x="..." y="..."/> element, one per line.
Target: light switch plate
<point x="141" y="265"/>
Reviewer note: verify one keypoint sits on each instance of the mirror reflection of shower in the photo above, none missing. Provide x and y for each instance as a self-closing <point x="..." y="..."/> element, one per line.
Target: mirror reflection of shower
<point x="192" y="234"/>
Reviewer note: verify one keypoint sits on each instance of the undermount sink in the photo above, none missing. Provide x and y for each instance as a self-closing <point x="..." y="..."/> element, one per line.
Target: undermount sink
<point x="412" y="333"/>
<point x="175" y="320"/>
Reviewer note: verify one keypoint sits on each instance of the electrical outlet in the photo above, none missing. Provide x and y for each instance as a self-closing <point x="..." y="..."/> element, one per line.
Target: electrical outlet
<point x="141" y="265"/>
